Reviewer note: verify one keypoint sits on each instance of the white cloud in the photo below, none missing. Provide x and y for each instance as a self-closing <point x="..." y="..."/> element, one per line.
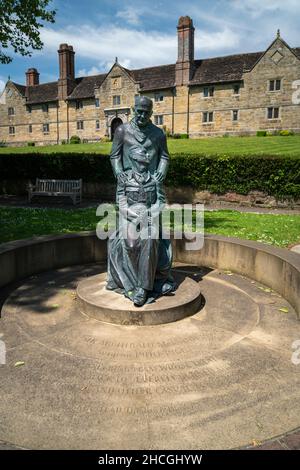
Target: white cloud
<point x="133" y="48"/>
<point x="2" y="85"/>
<point x="258" y="8"/>
<point x="220" y="40"/>
<point x="87" y="72"/>
<point x="130" y="15"/>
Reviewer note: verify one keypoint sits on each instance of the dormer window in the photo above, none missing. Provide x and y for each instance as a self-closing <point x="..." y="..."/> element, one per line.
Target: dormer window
<point x="275" y="85"/>
<point x="236" y="89"/>
<point x="208" y="91"/>
<point x="45" y="108"/>
<point x="158" y="97"/>
<point x="79" y="104"/>
<point x="11" y="111"/>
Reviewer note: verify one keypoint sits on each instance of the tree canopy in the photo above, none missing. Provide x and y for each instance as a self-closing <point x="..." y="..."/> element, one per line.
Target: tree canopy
<point x="20" y="25"/>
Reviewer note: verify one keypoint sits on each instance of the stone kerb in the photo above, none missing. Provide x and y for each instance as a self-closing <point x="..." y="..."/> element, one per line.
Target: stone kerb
<point x="277" y="268"/>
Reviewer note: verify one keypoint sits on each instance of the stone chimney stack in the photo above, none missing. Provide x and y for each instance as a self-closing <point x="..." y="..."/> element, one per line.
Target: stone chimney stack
<point x="32" y="77"/>
<point x="66" y="82"/>
<point x="185" y="60"/>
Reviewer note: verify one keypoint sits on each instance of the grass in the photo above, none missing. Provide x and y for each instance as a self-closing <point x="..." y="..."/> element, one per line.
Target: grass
<point x="20" y="223"/>
<point x="275" y="145"/>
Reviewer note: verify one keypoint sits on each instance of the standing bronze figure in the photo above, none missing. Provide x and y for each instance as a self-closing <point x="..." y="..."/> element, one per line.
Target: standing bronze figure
<point x="139" y="258"/>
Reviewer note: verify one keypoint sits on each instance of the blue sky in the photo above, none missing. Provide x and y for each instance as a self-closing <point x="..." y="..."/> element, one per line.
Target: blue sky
<point x="143" y="33"/>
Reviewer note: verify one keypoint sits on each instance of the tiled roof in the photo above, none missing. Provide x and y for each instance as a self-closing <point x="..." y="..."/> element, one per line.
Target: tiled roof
<point x="216" y="70"/>
<point x="21" y="88"/>
<point x="223" y="69"/>
<point x="43" y="93"/>
<point x="86" y="86"/>
<point x="155" y="78"/>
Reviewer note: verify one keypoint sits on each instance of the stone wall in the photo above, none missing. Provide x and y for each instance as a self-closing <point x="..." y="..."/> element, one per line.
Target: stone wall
<point x="274" y="267"/>
<point x="253" y="100"/>
<point x="182" y="107"/>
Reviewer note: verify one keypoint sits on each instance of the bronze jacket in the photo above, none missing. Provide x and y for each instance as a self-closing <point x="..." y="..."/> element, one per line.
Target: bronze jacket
<point x="151" y="137"/>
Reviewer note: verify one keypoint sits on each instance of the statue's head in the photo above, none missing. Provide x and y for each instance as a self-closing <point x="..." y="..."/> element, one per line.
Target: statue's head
<point x="142" y="110"/>
<point x="140" y="159"/>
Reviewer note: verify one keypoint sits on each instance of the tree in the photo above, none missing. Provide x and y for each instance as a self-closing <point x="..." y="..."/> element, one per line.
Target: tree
<point x="19" y="26"/>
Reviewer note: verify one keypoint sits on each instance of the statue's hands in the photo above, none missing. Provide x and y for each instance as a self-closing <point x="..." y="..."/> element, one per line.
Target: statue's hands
<point x="121" y="177"/>
<point x="159" y="176"/>
<point x="132" y="216"/>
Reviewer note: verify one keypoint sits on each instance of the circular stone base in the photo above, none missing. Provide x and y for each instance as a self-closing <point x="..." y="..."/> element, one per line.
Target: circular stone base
<point x="111" y="307"/>
<point x="223" y="378"/>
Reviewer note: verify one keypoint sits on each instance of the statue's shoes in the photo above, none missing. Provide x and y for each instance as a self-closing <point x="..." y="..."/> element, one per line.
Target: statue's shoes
<point x="168" y="288"/>
<point x="110" y="286"/>
<point x="140" y="297"/>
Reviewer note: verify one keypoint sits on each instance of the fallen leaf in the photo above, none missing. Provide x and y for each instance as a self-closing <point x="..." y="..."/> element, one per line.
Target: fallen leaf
<point x="19" y="363"/>
<point x="255" y="443"/>
<point x="284" y="310"/>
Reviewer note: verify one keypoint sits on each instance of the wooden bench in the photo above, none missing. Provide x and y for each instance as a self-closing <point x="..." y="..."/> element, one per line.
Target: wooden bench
<point x="43" y="187"/>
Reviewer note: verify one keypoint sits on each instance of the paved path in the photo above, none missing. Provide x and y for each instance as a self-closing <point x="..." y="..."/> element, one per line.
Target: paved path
<point x="221" y="379"/>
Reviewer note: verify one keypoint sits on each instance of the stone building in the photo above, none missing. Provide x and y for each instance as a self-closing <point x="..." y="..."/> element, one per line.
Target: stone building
<point x="236" y="94"/>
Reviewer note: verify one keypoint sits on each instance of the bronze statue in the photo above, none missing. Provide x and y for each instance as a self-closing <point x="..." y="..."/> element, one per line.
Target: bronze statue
<point x="139" y="258"/>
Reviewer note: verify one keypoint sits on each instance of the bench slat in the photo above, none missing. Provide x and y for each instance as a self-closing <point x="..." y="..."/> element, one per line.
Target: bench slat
<point x="53" y="187"/>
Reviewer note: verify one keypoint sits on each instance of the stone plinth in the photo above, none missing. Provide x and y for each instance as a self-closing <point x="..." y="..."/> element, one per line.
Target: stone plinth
<point x="97" y="302"/>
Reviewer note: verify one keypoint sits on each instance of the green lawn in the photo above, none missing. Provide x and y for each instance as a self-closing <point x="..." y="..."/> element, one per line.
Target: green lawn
<point x="275" y="145"/>
<point x="19" y="223"/>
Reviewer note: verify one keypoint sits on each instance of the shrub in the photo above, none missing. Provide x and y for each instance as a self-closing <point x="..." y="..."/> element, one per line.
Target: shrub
<point x="286" y="133"/>
<point x="30" y="144"/>
<point x="184" y="136"/>
<point x="63" y="142"/>
<point x="105" y="139"/>
<point x="277" y="176"/>
<point x="261" y="133"/>
<point x="75" y="139"/>
<point x="3" y="143"/>
<point x="176" y="136"/>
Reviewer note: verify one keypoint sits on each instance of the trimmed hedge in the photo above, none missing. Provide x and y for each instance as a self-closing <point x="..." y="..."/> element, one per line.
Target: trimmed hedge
<point x="277" y="176"/>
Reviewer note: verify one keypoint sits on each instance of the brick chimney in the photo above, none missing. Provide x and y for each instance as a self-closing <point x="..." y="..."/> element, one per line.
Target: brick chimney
<point x="66" y="82"/>
<point x="185" y="60"/>
<point x="32" y="77"/>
